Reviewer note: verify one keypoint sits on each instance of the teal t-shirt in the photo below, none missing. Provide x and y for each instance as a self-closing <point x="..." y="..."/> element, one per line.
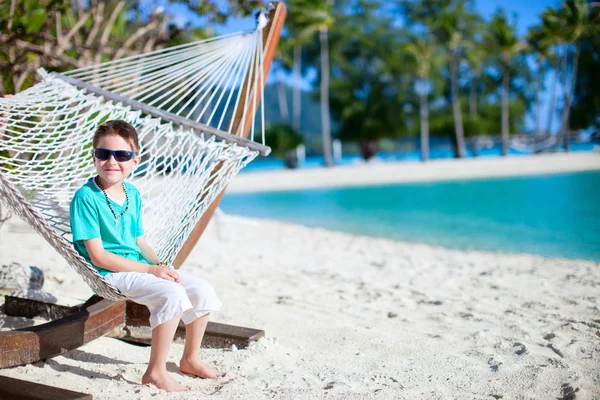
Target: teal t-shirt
<point x="91" y="218"/>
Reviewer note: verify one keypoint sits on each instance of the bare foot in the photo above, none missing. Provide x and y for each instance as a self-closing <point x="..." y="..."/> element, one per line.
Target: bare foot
<point x="163" y="381"/>
<point x="197" y="368"/>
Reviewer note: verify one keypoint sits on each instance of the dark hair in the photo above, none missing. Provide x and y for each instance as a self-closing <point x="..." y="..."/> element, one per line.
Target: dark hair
<point x="118" y="127"/>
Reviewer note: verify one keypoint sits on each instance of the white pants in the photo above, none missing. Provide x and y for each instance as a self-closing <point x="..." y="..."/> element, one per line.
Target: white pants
<point x="193" y="298"/>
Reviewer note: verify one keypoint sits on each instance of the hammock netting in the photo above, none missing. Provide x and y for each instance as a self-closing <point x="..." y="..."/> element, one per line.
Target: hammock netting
<point x="46" y="138"/>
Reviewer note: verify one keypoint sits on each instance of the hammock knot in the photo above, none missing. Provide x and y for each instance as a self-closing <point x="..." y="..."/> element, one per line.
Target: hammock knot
<point x="261" y="21"/>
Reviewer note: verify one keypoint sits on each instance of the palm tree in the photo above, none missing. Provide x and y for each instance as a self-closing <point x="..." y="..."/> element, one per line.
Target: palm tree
<point x="502" y="36"/>
<point x="477" y="55"/>
<point x="310" y="16"/>
<point x="282" y="56"/>
<point x="553" y="31"/>
<point x="539" y="44"/>
<point x="575" y="20"/>
<point x="296" y="40"/>
<point x="453" y="27"/>
<point x="453" y="23"/>
<point x="426" y="57"/>
<point x="296" y="100"/>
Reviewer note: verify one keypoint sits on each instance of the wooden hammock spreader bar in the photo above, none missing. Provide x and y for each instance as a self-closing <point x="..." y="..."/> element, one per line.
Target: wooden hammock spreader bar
<point x="166" y="116"/>
<point x="271" y="35"/>
<point x="76" y="326"/>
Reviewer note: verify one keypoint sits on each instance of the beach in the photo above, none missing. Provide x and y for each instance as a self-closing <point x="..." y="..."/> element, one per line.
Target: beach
<point x="355" y="317"/>
<point x="380" y="173"/>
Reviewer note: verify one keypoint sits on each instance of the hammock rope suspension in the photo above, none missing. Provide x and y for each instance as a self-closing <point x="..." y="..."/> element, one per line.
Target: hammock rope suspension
<point x="185" y="103"/>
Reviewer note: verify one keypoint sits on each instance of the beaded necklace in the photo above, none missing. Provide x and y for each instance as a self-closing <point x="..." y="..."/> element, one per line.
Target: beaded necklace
<point x="108" y="201"/>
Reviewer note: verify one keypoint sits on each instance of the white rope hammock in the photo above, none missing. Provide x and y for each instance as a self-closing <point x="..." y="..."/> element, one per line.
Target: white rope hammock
<point x="184" y="101"/>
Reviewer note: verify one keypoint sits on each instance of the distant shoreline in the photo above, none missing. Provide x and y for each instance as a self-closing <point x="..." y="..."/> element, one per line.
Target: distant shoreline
<point x="366" y="174"/>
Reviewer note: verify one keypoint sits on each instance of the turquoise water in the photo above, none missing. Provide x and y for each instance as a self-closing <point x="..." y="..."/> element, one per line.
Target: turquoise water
<point x="549" y="215"/>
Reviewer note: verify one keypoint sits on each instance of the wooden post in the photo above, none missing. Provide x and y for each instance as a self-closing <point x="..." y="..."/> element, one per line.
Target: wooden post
<point x="271" y="35"/>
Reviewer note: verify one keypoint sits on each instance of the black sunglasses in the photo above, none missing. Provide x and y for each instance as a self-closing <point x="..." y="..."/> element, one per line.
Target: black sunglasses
<point x="119" y="155"/>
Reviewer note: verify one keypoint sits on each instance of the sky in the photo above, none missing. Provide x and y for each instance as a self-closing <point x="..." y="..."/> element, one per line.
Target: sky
<point x="528" y="11"/>
<point x="527" y="14"/>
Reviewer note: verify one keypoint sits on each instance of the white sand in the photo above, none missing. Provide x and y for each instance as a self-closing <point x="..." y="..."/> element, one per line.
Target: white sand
<point x="355" y="317"/>
<point x="378" y="173"/>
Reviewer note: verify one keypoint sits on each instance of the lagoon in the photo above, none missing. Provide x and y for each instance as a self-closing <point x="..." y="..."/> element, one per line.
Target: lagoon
<point x="549" y="215"/>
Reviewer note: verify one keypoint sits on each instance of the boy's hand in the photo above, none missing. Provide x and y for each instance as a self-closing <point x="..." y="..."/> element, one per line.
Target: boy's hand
<point x="165" y="273"/>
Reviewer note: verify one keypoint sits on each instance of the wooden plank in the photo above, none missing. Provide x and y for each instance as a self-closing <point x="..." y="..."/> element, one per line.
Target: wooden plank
<point x="29" y="308"/>
<point x="216" y="336"/>
<point x="271" y="35"/>
<point x="95" y="318"/>
<point x="17" y="389"/>
<point x="223" y="336"/>
<point x="167" y="116"/>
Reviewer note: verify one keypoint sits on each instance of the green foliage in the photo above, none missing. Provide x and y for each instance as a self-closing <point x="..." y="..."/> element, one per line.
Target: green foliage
<point x="424" y="53"/>
<point x="34" y="20"/>
<point x="502" y="37"/>
<point x="306" y="17"/>
<point x="366" y="84"/>
<point x="282" y="139"/>
<point x="486" y="122"/>
<point x="57" y="35"/>
<point x="573" y="20"/>
<point x="453" y="22"/>
<point x="586" y="102"/>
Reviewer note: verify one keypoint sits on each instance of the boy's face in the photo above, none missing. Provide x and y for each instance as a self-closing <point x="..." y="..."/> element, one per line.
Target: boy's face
<point x="111" y="171"/>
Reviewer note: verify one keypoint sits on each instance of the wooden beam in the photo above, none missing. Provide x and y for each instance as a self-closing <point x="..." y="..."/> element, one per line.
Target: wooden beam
<point x="28" y="308"/>
<point x="271" y="35"/>
<point x="17" y="389"/>
<point x="136" y="322"/>
<point x="93" y="319"/>
<point x="217" y="335"/>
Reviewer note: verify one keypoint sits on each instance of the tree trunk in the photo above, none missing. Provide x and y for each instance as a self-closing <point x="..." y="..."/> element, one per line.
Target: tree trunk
<point x="567" y="110"/>
<point x="454" y="145"/>
<point x="283" y="104"/>
<point x="505" y="111"/>
<point x="473" y="98"/>
<point x="472" y="144"/>
<point x="325" y="97"/>
<point x="367" y="148"/>
<point x="552" y="109"/>
<point x="424" y="126"/>
<point x="296" y="99"/>
<point x="458" y="123"/>
<point x="291" y="159"/>
<point x="538" y="102"/>
<point x="559" y="136"/>
<point x="11" y="13"/>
